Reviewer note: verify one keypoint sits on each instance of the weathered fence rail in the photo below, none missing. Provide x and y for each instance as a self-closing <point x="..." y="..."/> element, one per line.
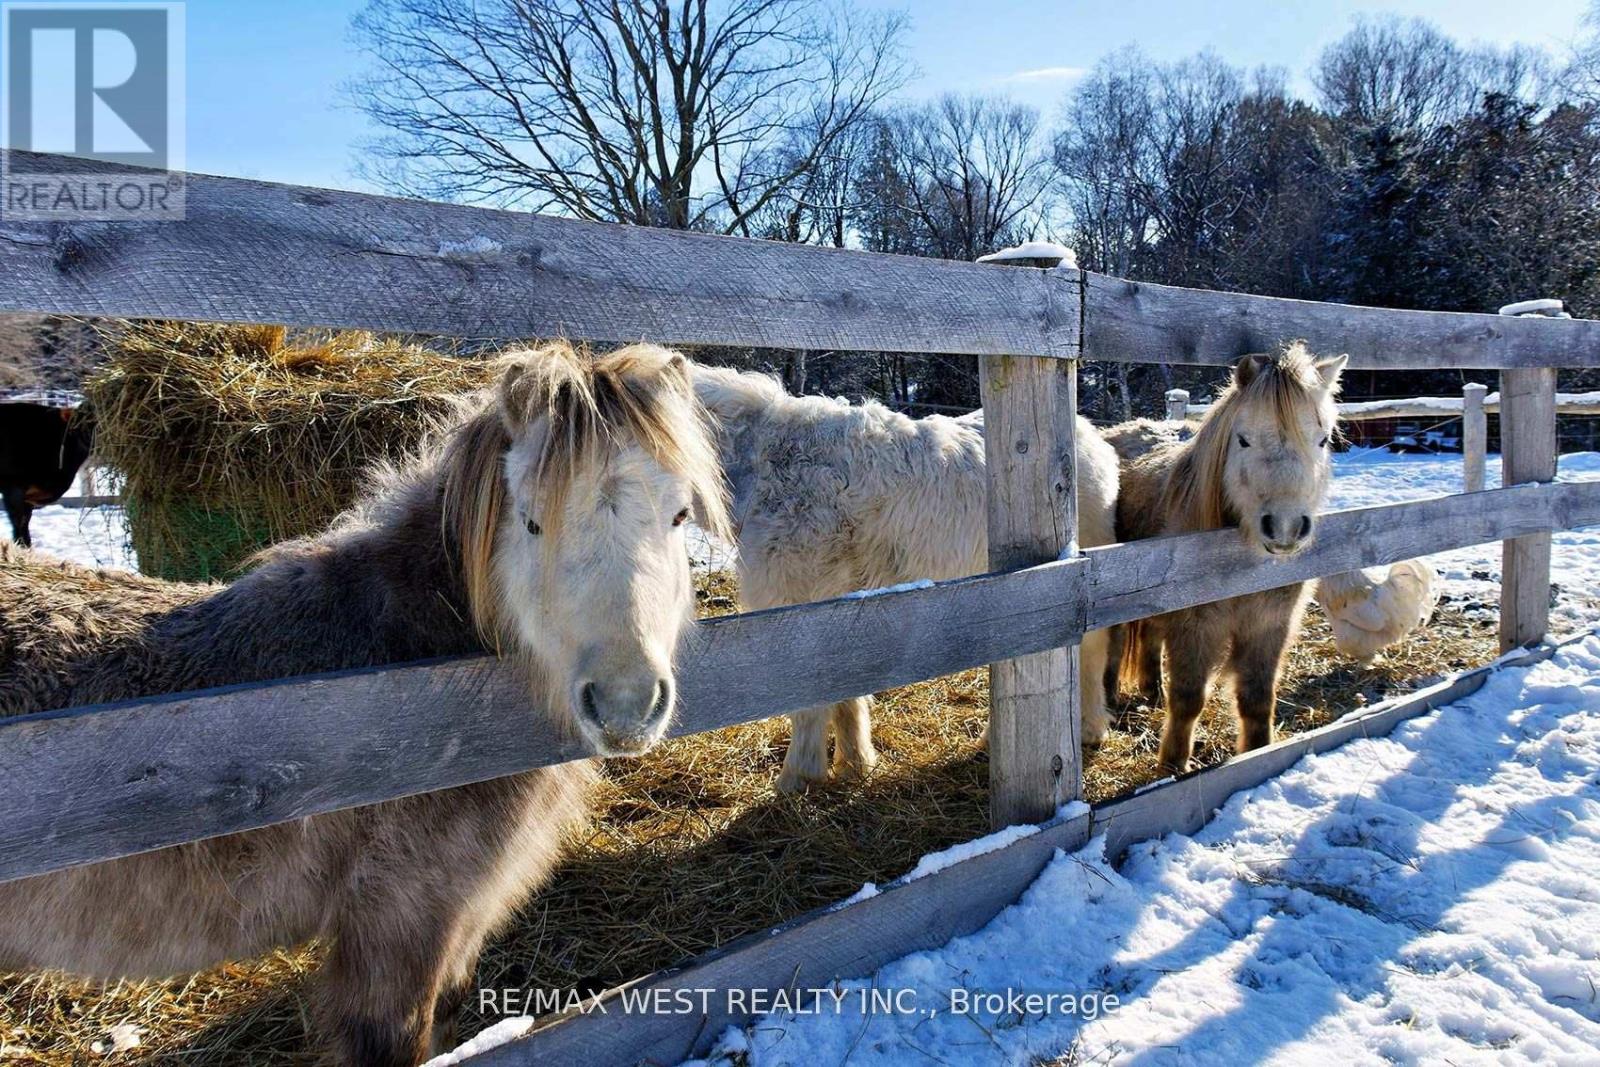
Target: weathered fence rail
<point x="88" y="784"/>
<point x="258" y="252"/>
<point x="85" y="784"/>
<point x="263" y="252"/>
<point x="1138" y="322"/>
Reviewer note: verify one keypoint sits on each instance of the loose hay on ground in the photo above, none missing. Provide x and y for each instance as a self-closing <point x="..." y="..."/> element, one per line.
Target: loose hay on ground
<point x="692" y="848"/>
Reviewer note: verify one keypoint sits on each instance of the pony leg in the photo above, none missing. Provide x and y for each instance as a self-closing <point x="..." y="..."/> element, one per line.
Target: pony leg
<point x="1092" y="670"/>
<point x="807" y="761"/>
<point x="382" y="981"/>
<point x="853" y="754"/>
<point x="456" y="987"/>
<point x="1257" y="658"/>
<point x="1190" y="661"/>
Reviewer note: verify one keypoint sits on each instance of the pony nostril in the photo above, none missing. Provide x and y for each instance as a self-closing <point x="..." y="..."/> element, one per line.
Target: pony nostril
<point x="586" y="698"/>
<point x="1266" y="526"/>
<point x="1305" y="527"/>
<point x="663" y="700"/>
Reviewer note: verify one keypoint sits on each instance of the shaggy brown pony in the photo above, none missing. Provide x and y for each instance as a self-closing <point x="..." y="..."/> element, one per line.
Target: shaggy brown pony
<point x="547" y="525"/>
<point x="1259" y="461"/>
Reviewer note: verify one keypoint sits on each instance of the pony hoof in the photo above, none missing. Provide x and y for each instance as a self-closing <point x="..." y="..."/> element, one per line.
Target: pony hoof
<point x="1168" y="769"/>
<point x="1095" y="731"/>
<point x="792" y="780"/>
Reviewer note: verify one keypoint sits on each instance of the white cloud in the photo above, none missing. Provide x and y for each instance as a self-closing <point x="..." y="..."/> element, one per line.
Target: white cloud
<point x="1047" y="74"/>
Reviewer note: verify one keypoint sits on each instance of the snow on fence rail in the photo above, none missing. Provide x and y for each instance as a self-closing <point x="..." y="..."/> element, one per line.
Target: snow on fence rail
<point x="87" y="784"/>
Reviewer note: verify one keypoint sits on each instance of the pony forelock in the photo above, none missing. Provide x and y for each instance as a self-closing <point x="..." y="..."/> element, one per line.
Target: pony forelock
<point x="1288" y="380"/>
<point x="586" y="408"/>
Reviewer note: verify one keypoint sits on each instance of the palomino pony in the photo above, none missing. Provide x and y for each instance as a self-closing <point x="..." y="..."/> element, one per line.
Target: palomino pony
<point x="548" y="527"/>
<point x="831" y="497"/>
<point x="1259" y="462"/>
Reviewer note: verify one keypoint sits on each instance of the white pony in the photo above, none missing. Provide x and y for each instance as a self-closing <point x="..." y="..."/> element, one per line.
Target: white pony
<point x="831" y="497"/>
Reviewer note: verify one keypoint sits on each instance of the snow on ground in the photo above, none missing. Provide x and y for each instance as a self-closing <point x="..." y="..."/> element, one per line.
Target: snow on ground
<point x="1428" y="897"/>
<point x="1371" y="477"/>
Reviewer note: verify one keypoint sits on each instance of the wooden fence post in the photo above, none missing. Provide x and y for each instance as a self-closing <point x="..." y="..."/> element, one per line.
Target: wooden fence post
<point x="1029" y="410"/>
<point x="1527" y="454"/>
<point x="1474" y="435"/>
<point x="1177" y="405"/>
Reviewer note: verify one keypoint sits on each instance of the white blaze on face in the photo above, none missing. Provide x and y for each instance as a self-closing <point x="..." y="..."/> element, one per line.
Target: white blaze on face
<point x="1278" y="465"/>
<point x="599" y="595"/>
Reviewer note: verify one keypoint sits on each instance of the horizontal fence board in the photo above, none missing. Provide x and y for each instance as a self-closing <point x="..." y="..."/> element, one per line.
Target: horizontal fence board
<point x="98" y="782"/>
<point x="1138" y="322"/>
<point x="253" y="251"/>
<point x="1144" y="578"/>
<point x="93" y="783"/>
<point x="832" y="945"/>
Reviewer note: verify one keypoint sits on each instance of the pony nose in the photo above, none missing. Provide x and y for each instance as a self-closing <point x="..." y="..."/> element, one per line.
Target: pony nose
<point x="629" y="713"/>
<point x="1284" y="533"/>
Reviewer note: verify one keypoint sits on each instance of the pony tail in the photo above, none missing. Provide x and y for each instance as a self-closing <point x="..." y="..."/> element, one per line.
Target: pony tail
<point x="1134" y="636"/>
<point x="472" y="502"/>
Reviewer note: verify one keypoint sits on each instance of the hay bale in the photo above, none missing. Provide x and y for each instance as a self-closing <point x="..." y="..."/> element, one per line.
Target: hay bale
<point x="231" y="438"/>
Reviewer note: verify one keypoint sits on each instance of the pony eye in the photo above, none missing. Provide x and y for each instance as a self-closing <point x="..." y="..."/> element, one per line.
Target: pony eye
<point x="681" y="517"/>
<point x="1242" y="442"/>
<point x="534" y="528"/>
<point x="1323" y="443"/>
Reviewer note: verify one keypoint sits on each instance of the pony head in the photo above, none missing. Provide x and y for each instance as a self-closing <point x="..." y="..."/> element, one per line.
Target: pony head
<point x="1260" y="460"/>
<point x="566" y="500"/>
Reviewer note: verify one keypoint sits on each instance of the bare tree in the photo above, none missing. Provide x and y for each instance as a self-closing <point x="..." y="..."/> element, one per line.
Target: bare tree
<point x="818" y="206"/>
<point x="1580" y="79"/>
<point x="690" y="114"/>
<point x="1387" y="72"/>
<point x="1410" y="76"/>
<point x="1100" y="155"/>
<point x="970" y="171"/>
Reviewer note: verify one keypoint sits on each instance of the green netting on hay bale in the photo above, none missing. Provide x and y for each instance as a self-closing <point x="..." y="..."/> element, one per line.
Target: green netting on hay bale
<point x="191" y="542"/>
<point x="230" y="438"/>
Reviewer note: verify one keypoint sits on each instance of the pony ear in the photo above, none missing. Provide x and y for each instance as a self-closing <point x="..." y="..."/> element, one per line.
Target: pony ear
<point x="515" y="395"/>
<point x="1248" y="367"/>
<point x="532" y="382"/>
<point x="1330" y="369"/>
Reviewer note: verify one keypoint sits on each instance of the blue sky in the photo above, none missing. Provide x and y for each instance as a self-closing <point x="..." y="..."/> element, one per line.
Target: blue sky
<point x="264" y="75"/>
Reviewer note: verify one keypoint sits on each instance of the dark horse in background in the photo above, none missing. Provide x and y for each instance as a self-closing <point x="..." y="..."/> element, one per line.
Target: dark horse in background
<point x="41" y="449"/>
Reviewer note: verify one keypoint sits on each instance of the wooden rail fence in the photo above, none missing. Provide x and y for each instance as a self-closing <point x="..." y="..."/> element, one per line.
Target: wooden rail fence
<point x="87" y="784"/>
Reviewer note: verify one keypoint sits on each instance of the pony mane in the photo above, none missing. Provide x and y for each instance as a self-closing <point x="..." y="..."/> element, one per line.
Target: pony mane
<point x="1287" y="379"/>
<point x="728" y="393"/>
<point x="592" y="406"/>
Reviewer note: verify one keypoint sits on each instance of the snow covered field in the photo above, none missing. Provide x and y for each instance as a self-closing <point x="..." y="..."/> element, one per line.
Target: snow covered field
<point x="1370" y="477"/>
<point x="1429" y="897"/>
